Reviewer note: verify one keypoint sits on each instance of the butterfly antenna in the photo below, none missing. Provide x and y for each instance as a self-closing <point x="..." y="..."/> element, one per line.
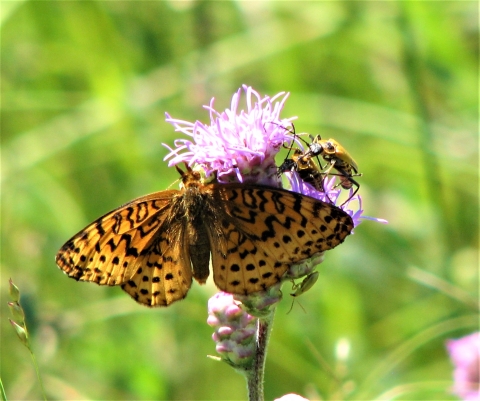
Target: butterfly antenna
<point x="180" y="171"/>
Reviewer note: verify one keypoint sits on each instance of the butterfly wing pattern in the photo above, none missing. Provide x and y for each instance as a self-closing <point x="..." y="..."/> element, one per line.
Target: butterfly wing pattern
<point x="153" y="245"/>
<point x="128" y="247"/>
<point x="266" y="230"/>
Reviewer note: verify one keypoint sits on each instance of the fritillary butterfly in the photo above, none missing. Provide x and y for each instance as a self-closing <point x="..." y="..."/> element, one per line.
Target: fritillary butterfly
<point x="153" y="245"/>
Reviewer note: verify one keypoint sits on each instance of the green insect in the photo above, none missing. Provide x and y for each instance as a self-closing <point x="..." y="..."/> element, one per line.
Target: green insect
<point x="304" y="286"/>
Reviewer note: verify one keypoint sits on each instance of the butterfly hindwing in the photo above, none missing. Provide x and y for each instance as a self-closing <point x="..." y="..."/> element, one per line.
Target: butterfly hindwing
<point x="265" y="231"/>
<point x="164" y="273"/>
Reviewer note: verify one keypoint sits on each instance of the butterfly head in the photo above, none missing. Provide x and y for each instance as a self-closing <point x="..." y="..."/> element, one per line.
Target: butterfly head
<point x="195" y="176"/>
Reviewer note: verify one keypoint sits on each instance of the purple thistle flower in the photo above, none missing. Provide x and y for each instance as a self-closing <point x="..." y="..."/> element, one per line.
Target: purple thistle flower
<point x="239" y="145"/>
<point x="465" y="355"/>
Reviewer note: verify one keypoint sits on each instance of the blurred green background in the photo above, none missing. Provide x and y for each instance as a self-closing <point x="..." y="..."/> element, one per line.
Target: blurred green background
<point x="85" y="85"/>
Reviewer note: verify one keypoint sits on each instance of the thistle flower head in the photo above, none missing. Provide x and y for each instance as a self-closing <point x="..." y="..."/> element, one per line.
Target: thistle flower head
<point x="239" y="145"/>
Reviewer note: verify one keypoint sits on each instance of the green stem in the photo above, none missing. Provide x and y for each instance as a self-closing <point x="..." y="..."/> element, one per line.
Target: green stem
<point x="38" y="374"/>
<point x="255" y="377"/>
<point x="2" y="391"/>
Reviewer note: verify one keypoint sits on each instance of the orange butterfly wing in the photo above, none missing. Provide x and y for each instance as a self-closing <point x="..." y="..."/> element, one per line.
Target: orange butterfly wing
<point x="264" y="230"/>
<point x="153" y="245"/>
<point x="135" y="246"/>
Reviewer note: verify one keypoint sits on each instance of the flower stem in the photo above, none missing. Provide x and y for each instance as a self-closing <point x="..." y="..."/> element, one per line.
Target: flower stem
<point x="38" y="375"/>
<point x="255" y="377"/>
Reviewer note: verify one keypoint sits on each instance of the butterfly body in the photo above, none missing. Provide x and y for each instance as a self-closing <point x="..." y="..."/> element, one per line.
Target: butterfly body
<point x="153" y="245"/>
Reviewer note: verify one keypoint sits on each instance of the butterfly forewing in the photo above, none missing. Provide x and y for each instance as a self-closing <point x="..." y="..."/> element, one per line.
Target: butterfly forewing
<point x="153" y="245"/>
